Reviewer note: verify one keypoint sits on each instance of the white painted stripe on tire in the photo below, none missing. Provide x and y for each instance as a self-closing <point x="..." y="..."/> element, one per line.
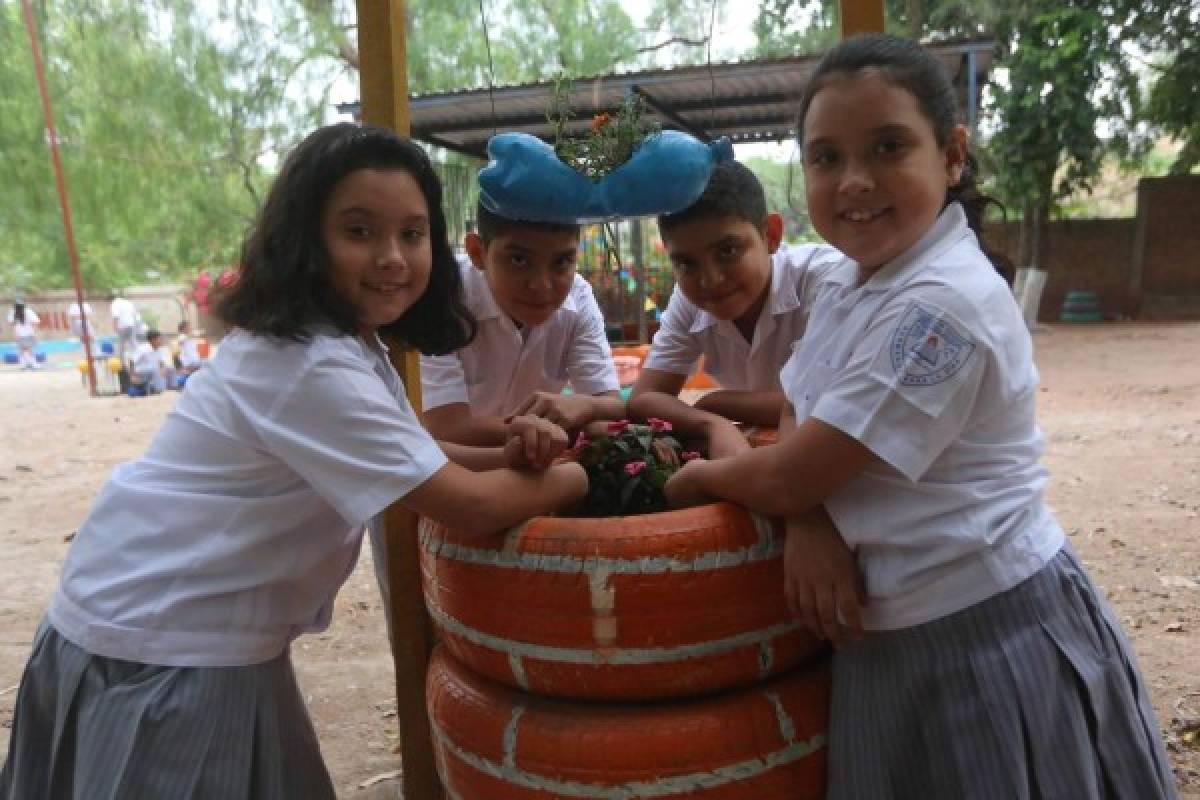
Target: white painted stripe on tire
<point x="670" y="786"/>
<point x="619" y="656"/>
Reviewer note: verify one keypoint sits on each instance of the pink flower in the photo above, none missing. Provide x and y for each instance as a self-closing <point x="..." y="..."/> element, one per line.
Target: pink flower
<point x="581" y="441"/>
<point x="688" y="455"/>
<point x="618" y="426"/>
<point x="659" y="425"/>
<point x="634" y="468"/>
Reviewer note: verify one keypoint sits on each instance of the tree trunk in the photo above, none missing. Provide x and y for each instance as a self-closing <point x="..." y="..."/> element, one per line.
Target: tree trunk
<point x="1024" y="253"/>
<point x="915" y="14"/>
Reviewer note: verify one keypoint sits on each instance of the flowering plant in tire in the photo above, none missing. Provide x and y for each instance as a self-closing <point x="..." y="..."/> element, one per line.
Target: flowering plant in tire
<point x="628" y="466"/>
<point x="610" y="140"/>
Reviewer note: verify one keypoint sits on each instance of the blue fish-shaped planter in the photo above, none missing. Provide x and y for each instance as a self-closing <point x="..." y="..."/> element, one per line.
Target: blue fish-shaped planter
<point x="525" y="180"/>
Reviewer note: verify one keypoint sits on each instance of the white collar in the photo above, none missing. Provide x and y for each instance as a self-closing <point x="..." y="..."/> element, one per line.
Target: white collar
<point x="947" y="229"/>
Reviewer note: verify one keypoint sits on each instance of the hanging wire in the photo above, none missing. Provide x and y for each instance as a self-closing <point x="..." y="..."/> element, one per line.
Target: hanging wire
<point x="712" y="78"/>
<point x="487" y="43"/>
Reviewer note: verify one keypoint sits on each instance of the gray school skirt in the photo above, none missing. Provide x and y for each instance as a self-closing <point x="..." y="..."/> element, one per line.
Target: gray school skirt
<point x="87" y="727"/>
<point x="1034" y="693"/>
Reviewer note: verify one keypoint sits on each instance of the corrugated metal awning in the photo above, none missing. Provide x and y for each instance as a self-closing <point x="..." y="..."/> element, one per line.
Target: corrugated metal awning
<point x="748" y="101"/>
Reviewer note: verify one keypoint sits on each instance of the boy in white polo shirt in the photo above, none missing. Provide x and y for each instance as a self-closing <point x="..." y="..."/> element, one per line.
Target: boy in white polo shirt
<point x="539" y="329"/>
<point x="739" y="302"/>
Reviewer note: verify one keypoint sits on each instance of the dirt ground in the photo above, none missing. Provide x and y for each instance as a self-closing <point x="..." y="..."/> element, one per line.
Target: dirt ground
<point x="1120" y="407"/>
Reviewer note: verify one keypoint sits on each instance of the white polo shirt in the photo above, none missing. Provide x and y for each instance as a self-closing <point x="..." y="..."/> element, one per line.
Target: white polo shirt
<point x="687" y="332"/>
<point x="929" y="364"/>
<point x="123" y="313"/>
<point x="145" y="359"/>
<point x="26" y="329"/>
<point x="233" y="533"/>
<point x="503" y="366"/>
<point x="189" y="352"/>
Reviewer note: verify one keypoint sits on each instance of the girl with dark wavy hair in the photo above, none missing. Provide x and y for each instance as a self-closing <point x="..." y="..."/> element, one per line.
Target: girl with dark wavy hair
<point x="162" y="668"/>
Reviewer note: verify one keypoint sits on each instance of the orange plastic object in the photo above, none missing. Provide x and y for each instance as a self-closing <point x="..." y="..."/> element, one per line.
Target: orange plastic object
<point x="202" y="348"/>
<point x="675" y="604"/>
<point x="700" y="379"/>
<point x="762" y="743"/>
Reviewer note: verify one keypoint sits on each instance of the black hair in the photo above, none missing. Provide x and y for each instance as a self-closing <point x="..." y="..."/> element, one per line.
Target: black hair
<point x="153" y="334"/>
<point x="19" y="313"/>
<point x="733" y="190"/>
<point x="283" y="287"/>
<point x="490" y="225"/>
<point x="908" y="65"/>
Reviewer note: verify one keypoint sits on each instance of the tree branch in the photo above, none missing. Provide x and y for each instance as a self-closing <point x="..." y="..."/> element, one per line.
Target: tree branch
<point x="673" y="40"/>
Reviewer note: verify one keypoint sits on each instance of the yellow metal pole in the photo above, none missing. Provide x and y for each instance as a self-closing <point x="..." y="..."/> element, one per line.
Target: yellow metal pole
<point x="383" y="82"/>
<point x="860" y="16"/>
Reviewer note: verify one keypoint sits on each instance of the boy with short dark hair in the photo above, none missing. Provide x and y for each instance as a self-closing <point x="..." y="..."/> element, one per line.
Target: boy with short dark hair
<point x="539" y="329"/>
<point x="146" y="368"/>
<point x="738" y="302"/>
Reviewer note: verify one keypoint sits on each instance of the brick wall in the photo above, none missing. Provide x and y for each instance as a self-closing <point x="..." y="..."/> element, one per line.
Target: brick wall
<point x="1146" y="266"/>
<point x="1092" y="254"/>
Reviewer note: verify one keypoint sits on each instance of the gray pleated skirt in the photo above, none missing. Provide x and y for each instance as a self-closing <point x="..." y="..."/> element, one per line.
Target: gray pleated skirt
<point x="1034" y="693"/>
<point x="93" y="728"/>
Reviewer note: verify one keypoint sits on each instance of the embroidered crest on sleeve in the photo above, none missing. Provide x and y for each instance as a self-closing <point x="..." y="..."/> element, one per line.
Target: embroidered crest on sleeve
<point x="927" y="348"/>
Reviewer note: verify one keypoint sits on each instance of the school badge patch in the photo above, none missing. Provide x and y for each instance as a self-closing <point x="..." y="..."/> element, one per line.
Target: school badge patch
<point x="927" y="348"/>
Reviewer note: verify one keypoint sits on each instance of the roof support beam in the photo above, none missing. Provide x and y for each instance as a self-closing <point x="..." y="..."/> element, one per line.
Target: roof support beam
<point x="669" y="115"/>
<point x="860" y="16"/>
<point x="384" y="89"/>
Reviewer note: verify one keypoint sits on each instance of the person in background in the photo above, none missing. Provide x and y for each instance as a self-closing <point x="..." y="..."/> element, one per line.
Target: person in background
<point x="24" y="322"/>
<point x="188" y="352"/>
<point x="75" y="319"/>
<point x="147" y="373"/>
<point x="125" y="323"/>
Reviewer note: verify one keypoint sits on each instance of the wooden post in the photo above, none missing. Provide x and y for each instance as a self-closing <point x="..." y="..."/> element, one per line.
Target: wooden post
<point x="860" y="16"/>
<point x="383" y="81"/>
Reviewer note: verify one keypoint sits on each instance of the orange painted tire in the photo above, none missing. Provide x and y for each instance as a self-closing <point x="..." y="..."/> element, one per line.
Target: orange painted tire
<point x="766" y="742"/>
<point x="674" y="604"/>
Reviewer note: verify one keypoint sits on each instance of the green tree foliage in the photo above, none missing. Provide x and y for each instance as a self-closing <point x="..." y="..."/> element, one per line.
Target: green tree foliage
<point x="1064" y="71"/>
<point x="167" y="121"/>
<point x="1168" y="33"/>
<point x="1062" y="80"/>
<point x="529" y="40"/>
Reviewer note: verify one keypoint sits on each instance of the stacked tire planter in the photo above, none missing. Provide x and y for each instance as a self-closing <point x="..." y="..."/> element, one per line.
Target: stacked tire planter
<point x="629" y="657"/>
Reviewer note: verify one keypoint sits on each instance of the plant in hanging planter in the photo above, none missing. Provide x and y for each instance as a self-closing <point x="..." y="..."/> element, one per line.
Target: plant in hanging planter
<point x="611" y="139"/>
<point x="628" y="466"/>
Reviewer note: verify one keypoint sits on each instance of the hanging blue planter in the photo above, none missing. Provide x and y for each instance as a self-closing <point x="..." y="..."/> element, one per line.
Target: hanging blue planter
<point x="526" y="180"/>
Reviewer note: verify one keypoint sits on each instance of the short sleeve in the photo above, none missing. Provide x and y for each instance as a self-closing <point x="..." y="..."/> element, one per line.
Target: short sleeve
<point x="908" y="390"/>
<point x="443" y="381"/>
<point x="675" y="348"/>
<point x="354" y="442"/>
<point x="589" y="357"/>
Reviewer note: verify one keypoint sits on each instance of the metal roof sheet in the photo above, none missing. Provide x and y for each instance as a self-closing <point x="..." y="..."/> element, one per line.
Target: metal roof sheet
<point x="746" y="100"/>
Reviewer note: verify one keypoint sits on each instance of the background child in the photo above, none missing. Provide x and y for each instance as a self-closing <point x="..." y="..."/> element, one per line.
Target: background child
<point x="990" y="666"/>
<point x="189" y="352"/>
<point x="162" y="668"/>
<point x="125" y="319"/>
<point x="739" y="302"/>
<point x="539" y="329"/>
<point x="24" y="322"/>
<point x="146" y="372"/>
